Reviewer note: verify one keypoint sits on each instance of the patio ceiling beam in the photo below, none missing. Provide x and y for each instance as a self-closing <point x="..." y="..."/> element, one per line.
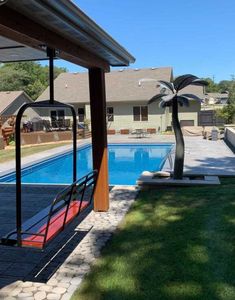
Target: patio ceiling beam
<point x="23" y="30"/>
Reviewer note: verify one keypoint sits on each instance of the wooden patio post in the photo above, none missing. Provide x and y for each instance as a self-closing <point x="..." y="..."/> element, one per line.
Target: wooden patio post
<point x="99" y="137"/>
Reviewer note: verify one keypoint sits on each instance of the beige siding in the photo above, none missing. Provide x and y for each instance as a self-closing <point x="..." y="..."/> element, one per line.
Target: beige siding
<point x="123" y="117"/>
<point x="188" y="113"/>
<point x="157" y="118"/>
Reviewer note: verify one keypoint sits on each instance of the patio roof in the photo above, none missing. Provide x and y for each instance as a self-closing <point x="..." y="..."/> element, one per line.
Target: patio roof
<point x="27" y="27"/>
<point x="30" y="28"/>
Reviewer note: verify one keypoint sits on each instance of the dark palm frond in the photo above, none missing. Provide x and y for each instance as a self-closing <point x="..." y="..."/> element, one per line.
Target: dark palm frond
<point x="163" y="103"/>
<point x="156" y="97"/>
<point x="180" y="103"/>
<point x="167" y="84"/>
<point x="183" y="81"/>
<point x="178" y="79"/>
<point x="168" y="97"/>
<point x="183" y="101"/>
<point x="199" y="82"/>
<point x="191" y="96"/>
<point x="163" y="90"/>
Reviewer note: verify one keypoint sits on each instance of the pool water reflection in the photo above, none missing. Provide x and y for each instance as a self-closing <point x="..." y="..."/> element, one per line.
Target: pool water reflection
<point x="126" y="163"/>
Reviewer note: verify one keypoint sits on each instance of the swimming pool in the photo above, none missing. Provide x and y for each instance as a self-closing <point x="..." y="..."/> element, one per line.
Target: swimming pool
<point x="126" y="163"/>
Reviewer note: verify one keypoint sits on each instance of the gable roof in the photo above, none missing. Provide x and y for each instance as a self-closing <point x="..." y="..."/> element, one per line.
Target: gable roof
<point x="8" y="97"/>
<point x="122" y="85"/>
<point x="217" y="95"/>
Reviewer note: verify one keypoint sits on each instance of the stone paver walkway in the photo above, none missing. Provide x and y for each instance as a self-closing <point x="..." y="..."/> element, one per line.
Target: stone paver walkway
<point x="56" y="274"/>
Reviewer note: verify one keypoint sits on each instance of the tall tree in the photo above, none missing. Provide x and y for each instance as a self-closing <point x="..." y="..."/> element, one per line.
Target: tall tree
<point x="169" y="97"/>
<point x="211" y="87"/>
<point x="30" y="77"/>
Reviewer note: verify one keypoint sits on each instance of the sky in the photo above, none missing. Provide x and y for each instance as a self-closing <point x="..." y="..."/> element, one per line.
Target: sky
<point x="196" y="37"/>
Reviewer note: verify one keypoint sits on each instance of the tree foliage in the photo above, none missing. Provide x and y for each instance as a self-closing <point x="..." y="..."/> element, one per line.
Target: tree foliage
<point x="227" y="113"/>
<point x="211" y="87"/>
<point x="222" y="87"/>
<point x="30" y="77"/>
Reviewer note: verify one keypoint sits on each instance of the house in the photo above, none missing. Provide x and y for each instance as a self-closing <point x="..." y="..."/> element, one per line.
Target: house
<point x="216" y="98"/>
<point x="211" y="103"/>
<point x="10" y="103"/>
<point x="127" y="95"/>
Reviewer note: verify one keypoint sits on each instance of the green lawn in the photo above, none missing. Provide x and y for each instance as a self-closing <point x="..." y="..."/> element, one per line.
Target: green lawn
<point x="9" y="154"/>
<point x="176" y="243"/>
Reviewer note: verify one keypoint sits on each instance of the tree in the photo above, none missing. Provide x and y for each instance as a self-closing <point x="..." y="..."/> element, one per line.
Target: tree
<point x="169" y="97"/>
<point x="211" y="87"/>
<point x="227" y="113"/>
<point x="30" y="77"/>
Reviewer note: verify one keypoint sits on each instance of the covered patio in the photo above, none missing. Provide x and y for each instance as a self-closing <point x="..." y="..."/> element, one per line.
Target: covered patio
<point x="42" y="30"/>
<point x="29" y="28"/>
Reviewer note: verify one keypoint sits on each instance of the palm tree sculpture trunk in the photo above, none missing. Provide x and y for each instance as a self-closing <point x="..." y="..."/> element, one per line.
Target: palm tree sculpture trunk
<point x="169" y="97"/>
<point x="179" y="152"/>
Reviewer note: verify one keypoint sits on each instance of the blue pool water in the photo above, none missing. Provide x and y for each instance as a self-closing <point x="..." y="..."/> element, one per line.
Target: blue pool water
<point x="126" y="163"/>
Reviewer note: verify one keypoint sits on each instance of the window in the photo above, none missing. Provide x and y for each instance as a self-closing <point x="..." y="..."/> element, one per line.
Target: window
<point x="136" y="113"/>
<point x="57" y="117"/>
<point x="81" y="114"/>
<point x="60" y="114"/>
<point x="144" y="113"/>
<point x="140" y="113"/>
<point x="53" y="115"/>
<point x="57" y="114"/>
<point x="110" y="114"/>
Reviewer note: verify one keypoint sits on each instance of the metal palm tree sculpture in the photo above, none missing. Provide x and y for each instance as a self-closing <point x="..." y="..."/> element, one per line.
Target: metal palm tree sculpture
<point x="169" y="97"/>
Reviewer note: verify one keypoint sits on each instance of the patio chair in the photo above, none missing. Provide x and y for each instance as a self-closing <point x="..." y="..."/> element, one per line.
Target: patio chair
<point x="124" y="131"/>
<point x="67" y="124"/>
<point x="151" y="130"/>
<point x="47" y="125"/>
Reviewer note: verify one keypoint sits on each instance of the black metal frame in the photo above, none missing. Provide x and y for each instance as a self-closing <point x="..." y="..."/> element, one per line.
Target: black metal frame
<point x="51" y="53"/>
<point x="78" y="187"/>
<point x="41" y="104"/>
<point x="63" y="199"/>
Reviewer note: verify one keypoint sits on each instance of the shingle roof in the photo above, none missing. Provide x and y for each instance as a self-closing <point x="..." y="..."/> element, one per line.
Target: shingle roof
<point x="217" y="95"/>
<point x="6" y="98"/>
<point x="195" y="90"/>
<point x="122" y="85"/>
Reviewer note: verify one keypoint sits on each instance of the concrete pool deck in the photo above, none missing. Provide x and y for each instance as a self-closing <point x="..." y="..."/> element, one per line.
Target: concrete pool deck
<point x="56" y="272"/>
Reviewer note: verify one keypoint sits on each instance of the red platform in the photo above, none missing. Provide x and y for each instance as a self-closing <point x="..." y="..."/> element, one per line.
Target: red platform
<point x="55" y="225"/>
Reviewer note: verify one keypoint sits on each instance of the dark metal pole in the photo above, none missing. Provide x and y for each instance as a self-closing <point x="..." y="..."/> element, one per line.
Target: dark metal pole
<point x="51" y="55"/>
<point x="18" y="174"/>
<point x="74" y="144"/>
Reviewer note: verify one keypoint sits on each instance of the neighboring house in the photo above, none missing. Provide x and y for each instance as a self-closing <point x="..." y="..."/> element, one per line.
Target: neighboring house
<point x="11" y="101"/>
<point x="127" y="95"/>
<point x="212" y="102"/>
<point x="216" y="98"/>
